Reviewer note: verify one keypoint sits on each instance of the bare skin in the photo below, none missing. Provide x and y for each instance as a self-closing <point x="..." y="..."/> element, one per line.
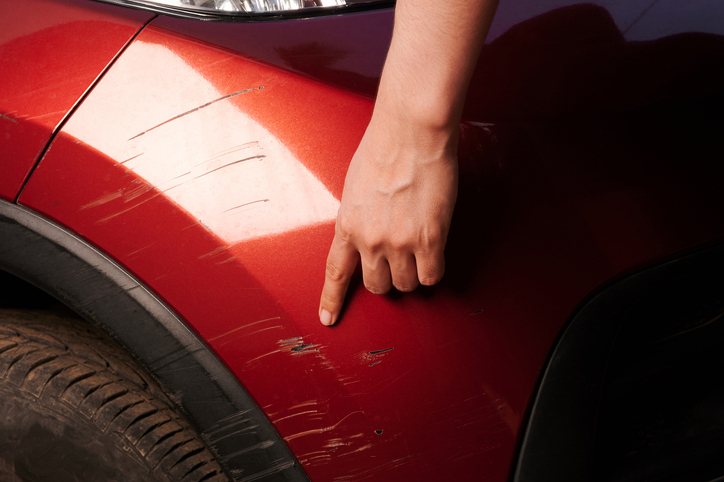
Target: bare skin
<point x="401" y="185"/>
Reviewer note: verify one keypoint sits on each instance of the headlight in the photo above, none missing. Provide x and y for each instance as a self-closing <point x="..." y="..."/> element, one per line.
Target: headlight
<point x="245" y="10"/>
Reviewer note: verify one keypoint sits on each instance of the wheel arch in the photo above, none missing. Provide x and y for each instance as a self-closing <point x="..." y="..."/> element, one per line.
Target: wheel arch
<point x="94" y="286"/>
<point x="558" y="441"/>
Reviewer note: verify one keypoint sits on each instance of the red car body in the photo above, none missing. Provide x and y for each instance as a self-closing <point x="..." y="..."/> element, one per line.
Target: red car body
<point x="207" y="160"/>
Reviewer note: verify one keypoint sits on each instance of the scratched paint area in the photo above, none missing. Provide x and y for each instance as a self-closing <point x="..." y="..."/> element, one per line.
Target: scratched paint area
<point x="368" y="400"/>
<point x="349" y="410"/>
<point x="427" y="386"/>
<point x="378" y="393"/>
<point x="198" y="148"/>
<point x="324" y="434"/>
<point x="374" y="357"/>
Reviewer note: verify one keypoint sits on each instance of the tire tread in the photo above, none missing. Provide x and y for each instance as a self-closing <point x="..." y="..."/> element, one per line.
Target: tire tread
<point x="61" y="361"/>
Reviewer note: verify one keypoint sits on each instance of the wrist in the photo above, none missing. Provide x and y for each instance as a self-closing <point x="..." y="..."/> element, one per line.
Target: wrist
<point x="432" y="108"/>
<point x="415" y="127"/>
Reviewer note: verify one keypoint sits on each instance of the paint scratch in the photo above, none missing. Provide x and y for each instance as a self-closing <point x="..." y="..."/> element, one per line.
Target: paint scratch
<point x="305" y="348"/>
<point x="242" y="327"/>
<point x="102" y="200"/>
<point x="377" y="352"/>
<point x="196" y="109"/>
<point x="262" y="356"/>
<point x="320" y="430"/>
<point x="246" y="204"/>
<point x="217" y="155"/>
<point x="126" y="210"/>
<point x="132" y="158"/>
<point x="294" y="415"/>
<point x="246" y="159"/>
<point x="14" y="121"/>
<point x="364" y="447"/>
<point x="304" y="404"/>
<point x="264" y="329"/>
<point x="216" y="251"/>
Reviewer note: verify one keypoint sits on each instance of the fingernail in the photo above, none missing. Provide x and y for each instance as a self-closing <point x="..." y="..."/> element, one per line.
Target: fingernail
<point x="325" y="317"/>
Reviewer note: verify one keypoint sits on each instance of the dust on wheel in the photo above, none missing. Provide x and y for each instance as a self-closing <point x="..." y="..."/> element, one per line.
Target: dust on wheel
<point x="75" y="407"/>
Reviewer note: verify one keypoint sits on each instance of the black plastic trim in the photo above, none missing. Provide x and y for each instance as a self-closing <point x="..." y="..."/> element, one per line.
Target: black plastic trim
<point x="558" y="442"/>
<point x="87" y="281"/>
<point x="189" y="14"/>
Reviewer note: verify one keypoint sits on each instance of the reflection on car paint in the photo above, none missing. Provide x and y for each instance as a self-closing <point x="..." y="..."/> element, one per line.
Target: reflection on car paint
<point x="250" y="186"/>
<point x="40" y="84"/>
<point x="548" y="210"/>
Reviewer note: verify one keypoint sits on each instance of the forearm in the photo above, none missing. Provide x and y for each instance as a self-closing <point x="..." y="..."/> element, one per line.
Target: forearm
<point x="434" y="50"/>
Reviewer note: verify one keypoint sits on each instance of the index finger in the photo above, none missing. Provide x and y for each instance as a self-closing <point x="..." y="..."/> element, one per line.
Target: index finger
<point x="341" y="263"/>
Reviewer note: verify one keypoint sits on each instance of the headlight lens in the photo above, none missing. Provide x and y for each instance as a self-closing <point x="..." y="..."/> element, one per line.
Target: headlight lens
<point x="249" y="9"/>
<point x="250" y="6"/>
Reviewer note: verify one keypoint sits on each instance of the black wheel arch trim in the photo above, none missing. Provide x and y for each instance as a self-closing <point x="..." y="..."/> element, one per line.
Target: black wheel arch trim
<point x="89" y="282"/>
<point x="558" y="441"/>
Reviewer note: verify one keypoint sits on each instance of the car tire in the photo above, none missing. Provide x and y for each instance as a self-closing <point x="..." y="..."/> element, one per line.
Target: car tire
<point x="75" y="407"/>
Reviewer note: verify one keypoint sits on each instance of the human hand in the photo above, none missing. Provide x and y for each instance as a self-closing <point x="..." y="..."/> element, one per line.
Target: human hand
<point x="395" y="213"/>
<point x="401" y="185"/>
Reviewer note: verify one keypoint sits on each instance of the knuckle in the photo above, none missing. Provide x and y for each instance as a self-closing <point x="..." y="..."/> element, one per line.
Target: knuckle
<point x="406" y="287"/>
<point x="376" y="290"/>
<point x="430" y="279"/>
<point x="334" y="273"/>
<point x="433" y="275"/>
<point x="431" y="239"/>
<point x="343" y="229"/>
<point x="399" y="244"/>
<point x="372" y="244"/>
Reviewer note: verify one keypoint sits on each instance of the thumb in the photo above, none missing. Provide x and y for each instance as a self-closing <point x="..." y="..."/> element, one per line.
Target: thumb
<point x="341" y="263"/>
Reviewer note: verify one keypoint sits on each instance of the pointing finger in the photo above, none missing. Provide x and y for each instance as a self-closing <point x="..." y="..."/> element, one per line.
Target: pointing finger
<point x="341" y="263"/>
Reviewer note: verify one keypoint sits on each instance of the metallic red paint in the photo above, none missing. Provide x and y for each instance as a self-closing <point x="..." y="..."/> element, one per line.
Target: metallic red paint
<point x="51" y="52"/>
<point x="347" y="52"/>
<point x="182" y="141"/>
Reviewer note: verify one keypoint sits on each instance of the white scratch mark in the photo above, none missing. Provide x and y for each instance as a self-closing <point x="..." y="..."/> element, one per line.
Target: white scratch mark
<point x="263" y="329"/>
<point x="102" y="200"/>
<point x="245" y="326"/>
<point x="364" y="447"/>
<point x="294" y="415"/>
<point x="262" y="356"/>
<point x="216" y="251"/>
<point x="320" y="430"/>
<point x="304" y="404"/>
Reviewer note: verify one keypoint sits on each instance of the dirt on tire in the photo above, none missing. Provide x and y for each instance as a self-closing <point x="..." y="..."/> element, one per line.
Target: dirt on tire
<point x="75" y="407"/>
